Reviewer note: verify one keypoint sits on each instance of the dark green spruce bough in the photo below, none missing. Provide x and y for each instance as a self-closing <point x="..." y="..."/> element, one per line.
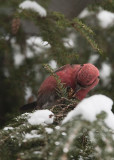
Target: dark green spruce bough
<point x="77" y="139"/>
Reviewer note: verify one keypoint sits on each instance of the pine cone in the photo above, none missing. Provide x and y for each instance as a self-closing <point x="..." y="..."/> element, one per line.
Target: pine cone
<point x="15" y="25"/>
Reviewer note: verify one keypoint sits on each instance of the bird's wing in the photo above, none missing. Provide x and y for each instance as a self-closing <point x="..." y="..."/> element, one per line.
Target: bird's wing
<point x="67" y="66"/>
<point x="28" y="107"/>
<point x="62" y="68"/>
<point x="46" y="98"/>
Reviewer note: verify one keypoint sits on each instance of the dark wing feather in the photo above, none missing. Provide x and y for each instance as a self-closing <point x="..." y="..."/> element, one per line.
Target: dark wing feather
<point x="28" y="107"/>
<point x="47" y="98"/>
<point x="62" y="68"/>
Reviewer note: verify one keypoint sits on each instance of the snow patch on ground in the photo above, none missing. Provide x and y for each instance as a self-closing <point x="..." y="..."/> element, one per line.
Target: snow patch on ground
<point x="41" y="117"/>
<point x="32" y="5"/>
<point x="90" y="107"/>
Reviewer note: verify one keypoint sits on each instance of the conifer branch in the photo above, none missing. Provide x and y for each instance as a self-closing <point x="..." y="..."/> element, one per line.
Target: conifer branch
<point x="61" y="89"/>
<point x="86" y="32"/>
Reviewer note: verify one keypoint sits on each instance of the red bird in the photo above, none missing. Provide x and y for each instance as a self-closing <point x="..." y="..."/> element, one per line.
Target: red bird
<point x="81" y="78"/>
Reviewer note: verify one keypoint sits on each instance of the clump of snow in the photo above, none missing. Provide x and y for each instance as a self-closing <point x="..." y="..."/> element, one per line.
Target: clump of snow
<point x="57" y="143"/>
<point x="38" y="42"/>
<point x="65" y="150"/>
<point x="92" y="136"/>
<point x="8" y="128"/>
<point x="32" y="134"/>
<point x="69" y="41"/>
<point x="37" y="152"/>
<point x="41" y="117"/>
<point x="106" y="18"/>
<point x="29" y="136"/>
<point x="90" y="107"/>
<point x="18" y="58"/>
<point x="85" y="13"/>
<point x="28" y="93"/>
<point x="29" y="52"/>
<point x="80" y="158"/>
<point x="33" y="6"/>
<point x="49" y="130"/>
<point x="105" y="72"/>
<point x="93" y="58"/>
<point x="53" y="64"/>
<point x="64" y="134"/>
<point x="57" y="127"/>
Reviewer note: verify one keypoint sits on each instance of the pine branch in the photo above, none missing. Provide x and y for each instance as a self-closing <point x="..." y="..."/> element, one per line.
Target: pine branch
<point x="86" y="32"/>
<point x="61" y="89"/>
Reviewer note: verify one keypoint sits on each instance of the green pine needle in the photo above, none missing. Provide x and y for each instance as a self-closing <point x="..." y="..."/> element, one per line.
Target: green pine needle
<point x="61" y="89"/>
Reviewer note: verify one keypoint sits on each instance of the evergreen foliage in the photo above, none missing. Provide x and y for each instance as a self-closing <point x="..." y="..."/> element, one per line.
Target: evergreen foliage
<point x="18" y="40"/>
<point x="62" y="41"/>
<point x="77" y="139"/>
<point x="87" y="33"/>
<point x="61" y="89"/>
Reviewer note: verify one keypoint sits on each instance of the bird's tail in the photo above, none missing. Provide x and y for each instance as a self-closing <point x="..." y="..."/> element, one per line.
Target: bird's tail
<point x="28" y="107"/>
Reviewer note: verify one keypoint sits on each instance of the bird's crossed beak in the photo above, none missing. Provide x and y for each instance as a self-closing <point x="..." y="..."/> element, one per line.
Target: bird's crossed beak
<point x="78" y="88"/>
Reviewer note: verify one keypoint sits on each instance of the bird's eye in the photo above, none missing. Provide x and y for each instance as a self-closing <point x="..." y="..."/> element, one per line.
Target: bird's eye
<point x="98" y="77"/>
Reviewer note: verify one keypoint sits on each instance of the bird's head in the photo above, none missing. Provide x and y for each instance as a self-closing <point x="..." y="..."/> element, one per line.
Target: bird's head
<point x="87" y="78"/>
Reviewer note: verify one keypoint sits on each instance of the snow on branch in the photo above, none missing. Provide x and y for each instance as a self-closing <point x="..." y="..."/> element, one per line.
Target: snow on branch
<point x="41" y="117"/>
<point x="34" y="6"/>
<point x="90" y="107"/>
